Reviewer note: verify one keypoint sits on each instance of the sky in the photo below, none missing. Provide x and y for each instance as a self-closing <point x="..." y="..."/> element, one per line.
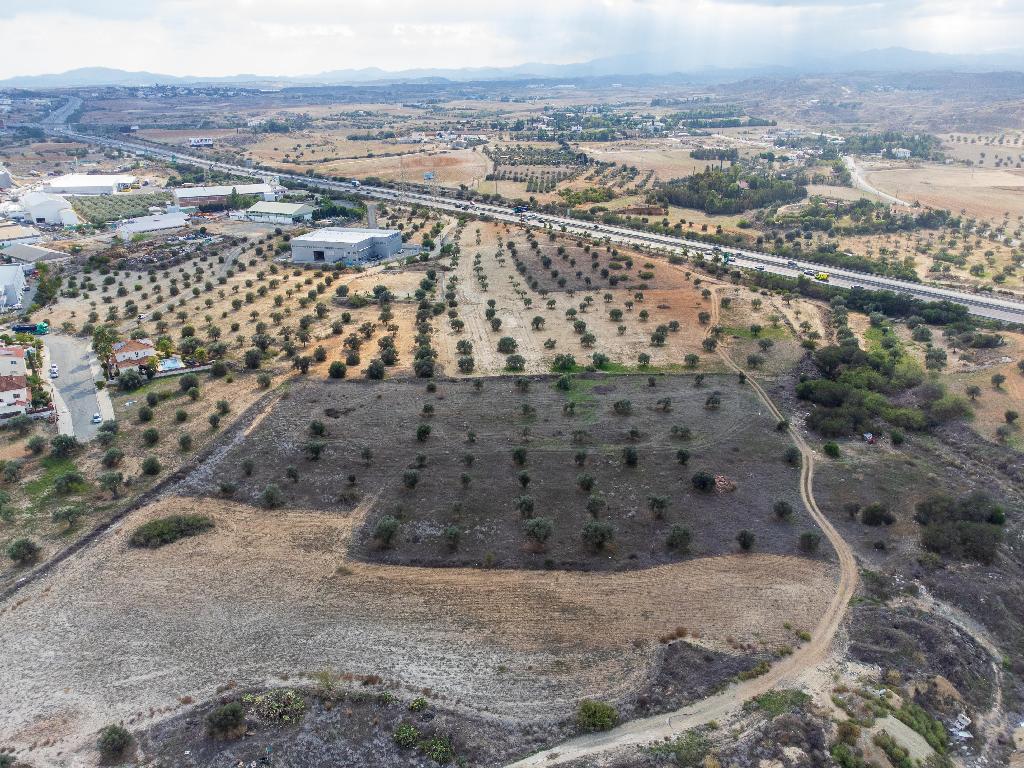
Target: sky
<point x="298" y="37"/>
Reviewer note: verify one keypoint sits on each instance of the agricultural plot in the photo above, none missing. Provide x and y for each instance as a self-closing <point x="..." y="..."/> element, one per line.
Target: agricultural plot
<point x="528" y="475"/>
<point x="101" y="209"/>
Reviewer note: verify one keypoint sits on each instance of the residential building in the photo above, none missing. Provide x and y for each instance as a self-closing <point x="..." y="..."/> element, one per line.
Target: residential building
<point x="12" y="361"/>
<point x="12" y="285"/>
<point x="133" y="352"/>
<point x="155" y="223"/>
<point x="221" y="194"/>
<point x="14" y="399"/>
<point x="333" y="245"/>
<point x="46" y="208"/>
<point x="11" y="233"/>
<point x="90" y="183"/>
<point x="901" y="153"/>
<point x="280" y="213"/>
<point x="6" y="182"/>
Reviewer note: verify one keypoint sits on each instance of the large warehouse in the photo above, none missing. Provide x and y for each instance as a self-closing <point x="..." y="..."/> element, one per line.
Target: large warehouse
<point x="334" y="245"/>
<point x="221" y="194"/>
<point x="280" y="213"/>
<point x="89" y="183"/>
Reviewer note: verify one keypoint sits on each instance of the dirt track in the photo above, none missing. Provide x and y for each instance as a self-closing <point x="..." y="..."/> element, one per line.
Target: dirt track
<point x="788" y="671"/>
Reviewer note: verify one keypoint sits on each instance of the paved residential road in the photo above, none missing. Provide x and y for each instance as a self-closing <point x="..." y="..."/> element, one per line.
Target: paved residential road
<point x="77" y="382"/>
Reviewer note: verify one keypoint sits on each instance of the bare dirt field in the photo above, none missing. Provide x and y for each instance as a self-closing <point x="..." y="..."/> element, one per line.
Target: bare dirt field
<point x="122" y="634"/>
<point x="986" y="194"/>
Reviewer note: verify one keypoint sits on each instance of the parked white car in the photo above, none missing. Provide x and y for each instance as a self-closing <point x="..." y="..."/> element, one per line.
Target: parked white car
<point x="96" y="419"/>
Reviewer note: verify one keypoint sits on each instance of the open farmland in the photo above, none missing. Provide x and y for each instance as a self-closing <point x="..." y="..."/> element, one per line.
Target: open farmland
<point x="497" y="457"/>
<point x="983" y="193"/>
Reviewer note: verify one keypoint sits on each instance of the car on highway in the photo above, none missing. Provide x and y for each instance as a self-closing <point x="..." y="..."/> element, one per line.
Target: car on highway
<point x="810" y="272"/>
<point x="54" y="372"/>
<point x="792" y="264"/>
<point x="96" y="419"/>
<point x="759" y="267"/>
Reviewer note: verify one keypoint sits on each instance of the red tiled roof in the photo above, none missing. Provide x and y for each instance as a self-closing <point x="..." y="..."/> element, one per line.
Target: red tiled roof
<point x="10" y="383"/>
<point x="12" y="351"/>
<point x="133" y="345"/>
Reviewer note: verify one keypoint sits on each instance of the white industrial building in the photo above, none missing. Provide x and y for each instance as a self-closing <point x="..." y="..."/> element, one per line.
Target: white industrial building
<point x="221" y="194"/>
<point x="155" y="223"/>
<point x="334" y="245"/>
<point x="200" y="141"/>
<point x="280" y="213"/>
<point x="47" y="208"/>
<point x="90" y="183"/>
<point x="12" y="285"/>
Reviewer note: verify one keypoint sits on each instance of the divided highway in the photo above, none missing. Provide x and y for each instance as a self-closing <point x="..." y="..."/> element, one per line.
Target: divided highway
<point x="979" y="304"/>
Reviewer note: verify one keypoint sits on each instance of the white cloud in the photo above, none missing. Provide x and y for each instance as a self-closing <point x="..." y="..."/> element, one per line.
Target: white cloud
<point x="203" y="37"/>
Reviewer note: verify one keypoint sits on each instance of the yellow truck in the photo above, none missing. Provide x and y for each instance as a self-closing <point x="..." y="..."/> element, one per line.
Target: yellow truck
<point x="823" y="276"/>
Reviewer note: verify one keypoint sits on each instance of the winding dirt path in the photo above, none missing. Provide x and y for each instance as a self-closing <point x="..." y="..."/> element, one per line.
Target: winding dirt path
<point x="717" y="707"/>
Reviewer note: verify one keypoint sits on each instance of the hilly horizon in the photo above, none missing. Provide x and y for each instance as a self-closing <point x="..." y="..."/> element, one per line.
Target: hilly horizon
<point x="893" y="59"/>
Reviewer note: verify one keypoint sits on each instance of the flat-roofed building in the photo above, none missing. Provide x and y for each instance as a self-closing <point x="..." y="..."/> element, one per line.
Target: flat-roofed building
<point x="334" y="245"/>
<point x="90" y="183"/>
<point x="221" y="194"/>
<point x="11" y="233"/>
<point x="156" y="223"/>
<point x="280" y="213"/>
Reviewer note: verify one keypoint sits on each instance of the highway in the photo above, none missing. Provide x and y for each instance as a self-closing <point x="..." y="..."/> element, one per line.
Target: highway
<point x="979" y="304"/>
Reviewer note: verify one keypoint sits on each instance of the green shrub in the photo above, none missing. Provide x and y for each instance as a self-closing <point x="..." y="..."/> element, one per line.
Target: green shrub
<point x="777" y="702"/>
<point x="703" y="481"/>
<point x="831" y="449"/>
<point x="439" y="749"/>
<point x="113" y="741"/>
<point x="165" y="530"/>
<point x="679" y="539"/>
<point x="226" y="719"/>
<point x="385" y="531"/>
<point x="876" y="514"/>
<point x="151" y="466"/>
<point x="23" y="551"/>
<point x="280" y="705"/>
<point x="687" y="751"/>
<point x="596" y="715"/>
<point x="406" y="736"/>
<point x="272" y="497"/>
<point x="63" y="446"/>
<point x="809" y="542"/>
<point x="150" y="436"/>
<point x="598" y="534"/>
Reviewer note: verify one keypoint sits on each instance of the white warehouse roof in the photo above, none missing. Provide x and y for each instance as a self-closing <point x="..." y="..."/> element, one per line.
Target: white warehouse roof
<point x="90" y="180"/>
<point x="343" y="235"/>
<point x="223" y="190"/>
<point x="282" y="209"/>
<point x="152" y="223"/>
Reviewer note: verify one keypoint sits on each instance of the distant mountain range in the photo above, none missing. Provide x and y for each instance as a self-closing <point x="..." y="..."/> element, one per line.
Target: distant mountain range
<point x="883" y="60"/>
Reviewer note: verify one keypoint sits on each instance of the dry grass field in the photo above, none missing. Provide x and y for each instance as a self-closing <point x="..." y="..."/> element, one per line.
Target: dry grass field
<point x="982" y="193"/>
<point x="119" y="634"/>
